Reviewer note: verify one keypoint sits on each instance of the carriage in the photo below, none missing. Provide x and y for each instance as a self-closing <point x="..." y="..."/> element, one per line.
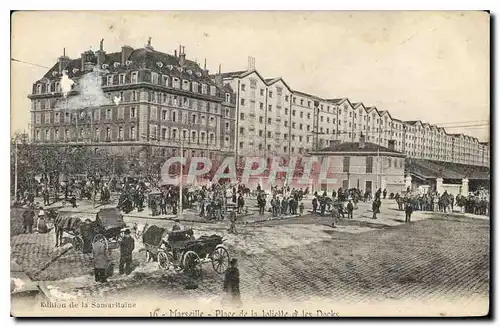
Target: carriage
<point x="107" y="226"/>
<point x="182" y="253"/>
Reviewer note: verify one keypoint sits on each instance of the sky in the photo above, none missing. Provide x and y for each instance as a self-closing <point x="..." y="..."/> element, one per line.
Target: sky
<point x="429" y="66"/>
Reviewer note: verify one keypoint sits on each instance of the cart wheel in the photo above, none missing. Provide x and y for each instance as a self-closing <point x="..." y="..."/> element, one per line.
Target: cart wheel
<point x="165" y="260"/>
<point x="220" y="259"/>
<point x="77" y="242"/>
<point x="191" y="264"/>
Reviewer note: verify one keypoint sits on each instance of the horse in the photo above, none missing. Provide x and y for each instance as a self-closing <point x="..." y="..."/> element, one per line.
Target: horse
<point x="66" y="224"/>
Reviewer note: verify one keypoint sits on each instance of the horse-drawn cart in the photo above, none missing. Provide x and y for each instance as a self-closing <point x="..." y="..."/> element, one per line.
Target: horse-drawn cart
<point x="182" y="253"/>
<point x="107" y="226"/>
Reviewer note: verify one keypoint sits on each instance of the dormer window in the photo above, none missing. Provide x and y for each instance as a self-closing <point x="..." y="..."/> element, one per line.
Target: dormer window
<point x="228" y="97"/>
<point x="170" y="67"/>
<point x="190" y="72"/>
<point x="128" y="62"/>
<point x="54" y="73"/>
<point x="198" y="74"/>
<point x="105" y="66"/>
<point x="121" y="79"/>
<point x="185" y="84"/>
<point x="134" y="77"/>
<point x="194" y="87"/>
<point x="75" y="70"/>
<point x="203" y="88"/>
<point x="154" y="78"/>
<point x="110" y="80"/>
<point x="39" y="88"/>
<point x="165" y="80"/>
<point x="176" y="82"/>
<point x="116" y="64"/>
<point x="159" y="64"/>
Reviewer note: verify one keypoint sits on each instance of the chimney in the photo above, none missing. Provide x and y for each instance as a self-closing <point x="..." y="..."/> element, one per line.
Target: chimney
<point x="391" y="145"/>
<point x="63" y="61"/>
<point x="101" y="54"/>
<point x="251" y="63"/>
<point x="175" y="53"/>
<point x="126" y="52"/>
<point x="362" y="141"/>
<point x="218" y="78"/>
<point x="205" y="70"/>
<point x="182" y="56"/>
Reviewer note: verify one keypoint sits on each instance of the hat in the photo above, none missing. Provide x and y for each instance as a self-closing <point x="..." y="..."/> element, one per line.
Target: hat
<point x="234" y="261"/>
<point x="127" y="232"/>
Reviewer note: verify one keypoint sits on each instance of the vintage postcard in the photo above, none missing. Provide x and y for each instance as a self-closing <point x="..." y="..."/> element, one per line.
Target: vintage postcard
<point x="250" y="164"/>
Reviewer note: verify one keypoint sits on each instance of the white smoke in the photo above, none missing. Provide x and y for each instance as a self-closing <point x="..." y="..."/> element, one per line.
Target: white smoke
<point x="66" y="84"/>
<point x="89" y="88"/>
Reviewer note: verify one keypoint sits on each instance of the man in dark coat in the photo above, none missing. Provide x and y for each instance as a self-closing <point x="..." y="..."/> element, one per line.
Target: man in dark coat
<point x="408" y="211"/>
<point x="126" y="247"/>
<point x="384" y="193"/>
<point x="232" y="282"/>
<point x="350" y="209"/>
<point x="315" y="204"/>
<point x="86" y="231"/>
<point x="241" y="203"/>
<point x="28" y="220"/>
<point x="376" y="207"/>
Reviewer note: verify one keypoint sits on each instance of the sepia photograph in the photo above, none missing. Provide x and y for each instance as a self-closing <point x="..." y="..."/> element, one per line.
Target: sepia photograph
<point x="276" y="164"/>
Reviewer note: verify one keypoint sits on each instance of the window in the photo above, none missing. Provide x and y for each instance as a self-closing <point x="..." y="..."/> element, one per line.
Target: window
<point x="286" y="98"/>
<point x="193" y="119"/>
<point x="261" y="106"/>
<point x="164" y="115"/>
<point x="185" y="84"/>
<point x="227" y="127"/>
<point x="270" y="94"/>
<point x="241" y="143"/>
<point x="108" y="133"/>
<point x="270" y="107"/>
<point x="134" y="77"/>
<point x="242" y="116"/>
<point x="293" y="113"/>
<point x="243" y="87"/>
<point x="193" y="136"/>
<point x="121" y="79"/>
<point x="228" y="97"/>
<point x="202" y="136"/>
<point x="369" y="165"/>
<point x="154" y="113"/>
<point x="308" y="103"/>
<point x="120" y="133"/>
<point x="293" y="124"/>
<point x="293" y="100"/>
<point x="301" y="126"/>
<point x="174" y="116"/>
<point x="301" y="102"/>
<point x="286" y="123"/>
<point x="110" y="80"/>
<point x="203" y="88"/>
<point x="286" y="111"/>
<point x="346" y="164"/>
<point x="57" y="117"/>
<point x="269" y="134"/>
<point x="261" y="120"/>
<point x="269" y="121"/>
<point x="261" y="92"/>
<point x="56" y="134"/>
<point x="261" y="133"/>
<point x="174" y="133"/>
<point x="308" y="115"/>
<point x="242" y="102"/>
<point x="132" y="133"/>
<point x="242" y="131"/>
<point x="269" y="147"/>
<point x="134" y="96"/>
<point x="108" y="114"/>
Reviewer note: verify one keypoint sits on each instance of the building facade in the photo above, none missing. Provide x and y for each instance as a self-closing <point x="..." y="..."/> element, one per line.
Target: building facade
<point x="314" y="122"/>
<point x="363" y="165"/>
<point x="132" y="101"/>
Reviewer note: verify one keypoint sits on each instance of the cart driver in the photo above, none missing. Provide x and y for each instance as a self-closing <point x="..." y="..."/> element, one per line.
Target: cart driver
<point x="177" y="225"/>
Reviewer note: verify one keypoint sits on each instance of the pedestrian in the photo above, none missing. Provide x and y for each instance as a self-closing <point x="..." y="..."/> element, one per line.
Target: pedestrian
<point x="232" y="283"/>
<point x="408" y="212"/>
<point x="384" y="193"/>
<point x="28" y="220"/>
<point x="315" y="204"/>
<point x="301" y="208"/>
<point x="41" y="216"/>
<point x="375" y="207"/>
<point x="350" y="209"/>
<point x="232" y="221"/>
<point x="101" y="260"/>
<point x="127" y="246"/>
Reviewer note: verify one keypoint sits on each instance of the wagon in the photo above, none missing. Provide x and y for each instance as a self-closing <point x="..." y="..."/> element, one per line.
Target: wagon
<point x="181" y="253"/>
<point x="108" y="227"/>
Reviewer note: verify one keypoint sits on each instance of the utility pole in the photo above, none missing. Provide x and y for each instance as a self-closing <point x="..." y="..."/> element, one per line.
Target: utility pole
<point x="15" y="171"/>
<point x="180" y="182"/>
